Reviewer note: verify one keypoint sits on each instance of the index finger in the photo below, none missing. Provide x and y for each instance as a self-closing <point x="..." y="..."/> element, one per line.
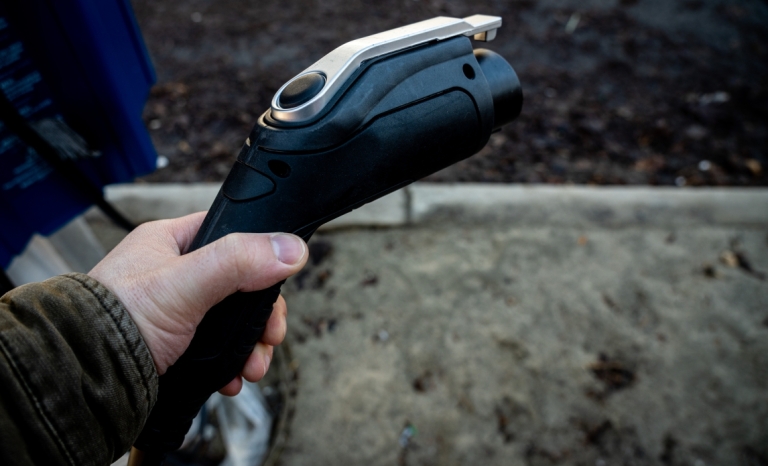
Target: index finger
<point x="184" y="229"/>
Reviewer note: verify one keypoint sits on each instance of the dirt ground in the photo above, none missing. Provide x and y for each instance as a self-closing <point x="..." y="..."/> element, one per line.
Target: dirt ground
<point x="470" y="342"/>
<point x="617" y="91"/>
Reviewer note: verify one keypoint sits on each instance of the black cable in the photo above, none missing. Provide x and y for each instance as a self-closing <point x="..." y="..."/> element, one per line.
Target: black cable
<point x="19" y="125"/>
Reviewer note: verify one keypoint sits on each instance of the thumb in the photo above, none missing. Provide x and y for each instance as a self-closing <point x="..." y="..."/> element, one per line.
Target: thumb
<point x="239" y="262"/>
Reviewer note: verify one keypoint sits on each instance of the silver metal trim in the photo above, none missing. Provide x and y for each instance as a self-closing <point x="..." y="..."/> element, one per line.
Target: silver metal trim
<point x="338" y="65"/>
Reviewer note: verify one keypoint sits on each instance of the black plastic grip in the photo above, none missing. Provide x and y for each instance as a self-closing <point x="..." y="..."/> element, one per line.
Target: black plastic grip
<point x="217" y="354"/>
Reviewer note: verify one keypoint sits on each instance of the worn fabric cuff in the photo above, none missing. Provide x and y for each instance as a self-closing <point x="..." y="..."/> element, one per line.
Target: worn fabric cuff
<point x="81" y="362"/>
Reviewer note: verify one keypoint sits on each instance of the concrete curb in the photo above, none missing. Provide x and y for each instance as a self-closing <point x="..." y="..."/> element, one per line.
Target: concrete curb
<point x="609" y="206"/>
<point x="147" y="202"/>
<point x="612" y="206"/>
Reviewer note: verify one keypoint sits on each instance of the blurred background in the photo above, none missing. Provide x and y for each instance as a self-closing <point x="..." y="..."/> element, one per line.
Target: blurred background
<point x="655" y="92"/>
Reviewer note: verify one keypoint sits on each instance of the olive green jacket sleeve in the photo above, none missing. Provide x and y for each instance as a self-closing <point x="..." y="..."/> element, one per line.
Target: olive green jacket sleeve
<point x="77" y="381"/>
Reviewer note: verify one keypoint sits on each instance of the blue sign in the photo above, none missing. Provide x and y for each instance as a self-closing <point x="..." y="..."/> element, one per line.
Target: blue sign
<point x="83" y="62"/>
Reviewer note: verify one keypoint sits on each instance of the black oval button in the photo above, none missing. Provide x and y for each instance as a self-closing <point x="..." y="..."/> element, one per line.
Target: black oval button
<point x="301" y="90"/>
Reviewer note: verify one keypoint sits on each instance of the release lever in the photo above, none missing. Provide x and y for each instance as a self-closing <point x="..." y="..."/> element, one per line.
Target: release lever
<point x="332" y="70"/>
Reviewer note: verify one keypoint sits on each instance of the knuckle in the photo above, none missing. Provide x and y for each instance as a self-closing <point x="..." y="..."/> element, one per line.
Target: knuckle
<point x="144" y="228"/>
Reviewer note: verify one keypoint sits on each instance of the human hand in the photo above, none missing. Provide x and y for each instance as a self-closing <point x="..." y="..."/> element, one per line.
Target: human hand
<point x="167" y="293"/>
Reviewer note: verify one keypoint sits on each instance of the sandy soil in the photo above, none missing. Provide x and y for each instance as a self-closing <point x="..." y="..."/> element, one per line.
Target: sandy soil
<point x="467" y="342"/>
